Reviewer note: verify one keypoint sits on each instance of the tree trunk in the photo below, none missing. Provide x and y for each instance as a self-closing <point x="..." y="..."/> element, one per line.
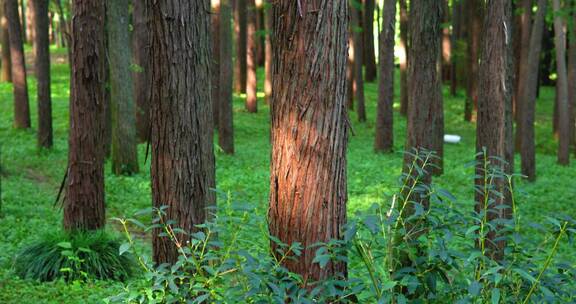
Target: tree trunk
<point x="107" y="141"/>
<point x="22" y="14"/>
<point x="225" y="120"/>
<point x="358" y="60"/>
<point x="474" y="16"/>
<point x="562" y="84"/>
<point x="124" y="152"/>
<point x="251" y="58"/>
<point x="260" y="28"/>
<point x="64" y="33"/>
<point x="351" y="87"/>
<point x="308" y="170"/>
<point x="456" y="36"/>
<point x="30" y="20"/>
<point x="268" y="55"/>
<point x="84" y="208"/>
<point x="215" y="72"/>
<point x="42" y="67"/>
<point x="524" y="45"/>
<point x="241" y="44"/>
<point x="20" y="84"/>
<point x="141" y="77"/>
<point x="527" y="94"/>
<point x="369" y="49"/>
<point x="446" y="42"/>
<point x="384" y="141"/>
<point x="403" y="57"/>
<point x="6" y="60"/>
<point x="572" y="80"/>
<point x="494" y="123"/>
<point x="182" y="145"/>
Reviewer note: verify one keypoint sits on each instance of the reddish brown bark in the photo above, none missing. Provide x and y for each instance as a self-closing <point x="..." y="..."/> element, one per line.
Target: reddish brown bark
<point x="42" y="68"/>
<point x="84" y="208"/>
<point x="525" y="29"/>
<point x="309" y="136"/>
<point x="474" y="27"/>
<point x="358" y="60"/>
<point x="251" y="58"/>
<point x="240" y="34"/>
<point x="225" y="120"/>
<point x="141" y="77"/>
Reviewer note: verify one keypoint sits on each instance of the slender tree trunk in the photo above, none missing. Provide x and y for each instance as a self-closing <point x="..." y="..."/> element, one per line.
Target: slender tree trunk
<point x="525" y="31"/>
<point x="84" y="208"/>
<point x="562" y="84"/>
<point x="404" y="48"/>
<point x="350" y="75"/>
<point x="494" y="123"/>
<point x="22" y="13"/>
<point x="572" y="80"/>
<point x="251" y="58"/>
<point x="141" y="77"/>
<point x="182" y="145"/>
<point x="215" y="72"/>
<point x="64" y="33"/>
<point x="42" y="67"/>
<point x="358" y="75"/>
<point x="474" y="16"/>
<point x="527" y="94"/>
<point x="6" y="60"/>
<point x="456" y="29"/>
<point x="260" y="28"/>
<point x="20" y="84"/>
<point x="369" y="49"/>
<point x="308" y="170"/>
<point x="446" y="42"/>
<point x="268" y="56"/>
<point x="240" y="29"/>
<point x="30" y="20"/>
<point x="124" y="152"/>
<point x="225" y="120"/>
<point x="384" y="140"/>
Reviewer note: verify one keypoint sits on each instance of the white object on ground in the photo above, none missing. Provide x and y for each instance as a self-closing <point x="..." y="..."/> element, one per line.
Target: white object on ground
<point x="452" y="139"/>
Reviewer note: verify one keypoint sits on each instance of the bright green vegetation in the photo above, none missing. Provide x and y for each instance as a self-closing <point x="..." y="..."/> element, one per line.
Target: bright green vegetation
<point x="31" y="179"/>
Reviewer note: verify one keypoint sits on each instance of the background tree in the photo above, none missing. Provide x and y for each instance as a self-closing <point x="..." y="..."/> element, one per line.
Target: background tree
<point x="474" y="17"/>
<point x="524" y="29"/>
<point x="572" y="76"/>
<point x="309" y="135"/>
<point x="446" y="41"/>
<point x="124" y="152"/>
<point x="6" y="61"/>
<point x="21" y="105"/>
<point x="251" y="58"/>
<point x="215" y="72"/>
<point x="42" y="68"/>
<point x="403" y="47"/>
<point x="241" y="44"/>
<point x="562" y="86"/>
<point x="384" y="140"/>
<point x="141" y="76"/>
<point x="268" y="53"/>
<point x="84" y="207"/>
<point x="368" y="43"/>
<point x="358" y="60"/>
<point x="527" y="94"/>
<point x="182" y="145"/>
<point x="494" y="121"/>
<point x="225" y="120"/>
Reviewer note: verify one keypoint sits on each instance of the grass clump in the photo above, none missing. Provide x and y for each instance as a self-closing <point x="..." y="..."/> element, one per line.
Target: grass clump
<point x="74" y="256"/>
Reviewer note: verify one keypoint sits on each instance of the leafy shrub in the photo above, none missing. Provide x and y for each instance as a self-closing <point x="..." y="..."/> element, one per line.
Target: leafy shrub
<point x="74" y="256"/>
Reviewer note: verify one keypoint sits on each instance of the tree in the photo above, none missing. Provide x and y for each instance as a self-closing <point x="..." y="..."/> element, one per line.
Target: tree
<point x="141" y="76"/>
<point x="182" y="145"/>
<point x="309" y="134"/>
<point x="6" y="60"/>
<point x="384" y="140"/>
<point x="446" y="42"/>
<point x="215" y="72"/>
<point x="42" y="67"/>
<point x="241" y="44"/>
<point x="268" y="54"/>
<point x="527" y="94"/>
<point x="124" y="152"/>
<point x="29" y="23"/>
<point x="368" y="43"/>
<point x="572" y="78"/>
<point x="474" y="16"/>
<point x="357" y="53"/>
<point x="20" y="84"/>
<point x="251" y="58"/>
<point x="403" y="57"/>
<point x="562" y="85"/>
<point x="84" y="208"/>
<point x="494" y="121"/>
<point x="524" y="46"/>
<point x="225" y="120"/>
<point x="457" y="33"/>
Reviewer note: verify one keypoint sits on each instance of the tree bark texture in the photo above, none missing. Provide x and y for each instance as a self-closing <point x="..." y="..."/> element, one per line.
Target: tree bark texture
<point x="141" y="77"/>
<point x="42" y="68"/>
<point x="251" y="58"/>
<point x="403" y="57"/>
<point x="20" y="84"/>
<point x="241" y="44"/>
<point x="474" y="19"/>
<point x="384" y="139"/>
<point x="562" y="86"/>
<point x="225" y="120"/>
<point x="84" y="207"/>
<point x="369" y="49"/>
<point x="215" y="72"/>
<point x="182" y="145"/>
<point x="6" y="60"/>
<point x="309" y="132"/>
<point x="358" y="60"/>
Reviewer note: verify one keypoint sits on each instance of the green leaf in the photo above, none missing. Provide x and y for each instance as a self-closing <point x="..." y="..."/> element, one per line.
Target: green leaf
<point x="388" y="285"/>
<point x="495" y="296"/>
<point x="123" y="248"/>
<point x="66" y="245"/>
<point x="524" y="274"/>
<point x="474" y="288"/>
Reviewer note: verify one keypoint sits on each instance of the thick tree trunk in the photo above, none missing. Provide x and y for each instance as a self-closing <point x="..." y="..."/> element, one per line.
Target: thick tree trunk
<point x="182" y="145"/>
<point x="369" y="49"/>
<point x="251" y="58"/>
<point x="384" y="140"/>
<point x="524" y="45"/>
<point x="20" y="84"/>
<point x="124" y="152"/>
<point x="358" y="60"/>
<point x="6" y="61"/>
<point x="268" y="56"/>
<point x="308" y="170"/>
<point x="562" y="85"/>
<point x="475" y="16"/>
<point x="42" y="67"/>
<point x="84" y="208"/>
<point x="527" y="94"/>
<point x="241" y="44"/>
<point x="215" y="72"/>
<point x="225" y="119"/>
<point x="403" y="57"/>
<point x="572" y="80"/>
<point x="494" y="123"/>
<point x="141" y="77"/>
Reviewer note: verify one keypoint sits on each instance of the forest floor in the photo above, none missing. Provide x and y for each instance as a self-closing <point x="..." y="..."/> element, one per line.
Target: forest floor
<point x="31" y="177"/>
